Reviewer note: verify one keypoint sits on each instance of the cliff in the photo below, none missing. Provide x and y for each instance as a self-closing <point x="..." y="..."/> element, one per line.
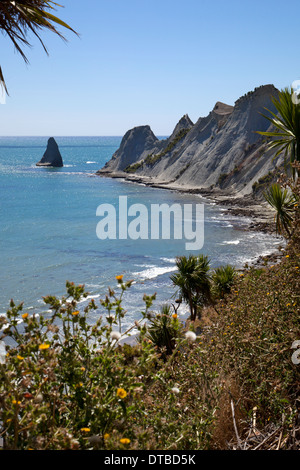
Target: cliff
<point x="221" y="151"/>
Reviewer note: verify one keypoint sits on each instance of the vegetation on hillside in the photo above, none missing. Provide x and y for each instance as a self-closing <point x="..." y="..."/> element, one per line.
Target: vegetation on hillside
<point x="67" y="383"/>
<point x="152" y="158"/>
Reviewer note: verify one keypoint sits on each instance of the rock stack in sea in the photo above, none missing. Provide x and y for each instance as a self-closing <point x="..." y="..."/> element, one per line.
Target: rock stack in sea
<point x="52" y="156"/>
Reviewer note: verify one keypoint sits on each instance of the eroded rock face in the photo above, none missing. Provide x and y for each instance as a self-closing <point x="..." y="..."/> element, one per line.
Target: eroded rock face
<point x="52" y="156"/>
<point x="136" y="142"/>
<point x="221" y="150"/>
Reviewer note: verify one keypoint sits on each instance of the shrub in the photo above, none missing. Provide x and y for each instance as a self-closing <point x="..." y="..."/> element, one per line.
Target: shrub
<point x="222" y="279"/>
<point x="151" y="159"/>
<point x="284" y="202"/>
<point x="134" y="167"/>
<point x="68" y="383"/>
<point x="193" y="282"/>
<point x="164" y="330"/>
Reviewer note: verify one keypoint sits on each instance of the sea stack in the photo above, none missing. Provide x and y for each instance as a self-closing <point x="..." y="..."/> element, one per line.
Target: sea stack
<point x="52" y="156"/>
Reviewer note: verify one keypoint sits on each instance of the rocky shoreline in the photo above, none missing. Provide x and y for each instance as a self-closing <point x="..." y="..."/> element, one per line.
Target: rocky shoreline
<point x="260" y="213"/>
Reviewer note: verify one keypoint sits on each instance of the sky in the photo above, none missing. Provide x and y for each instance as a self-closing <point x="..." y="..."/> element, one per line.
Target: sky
<point x="139" y="62"/>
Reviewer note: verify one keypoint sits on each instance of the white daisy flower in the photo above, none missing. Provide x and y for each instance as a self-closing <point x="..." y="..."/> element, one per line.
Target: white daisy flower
<point x="115" y="335"/>
<point x="190" y="336"/>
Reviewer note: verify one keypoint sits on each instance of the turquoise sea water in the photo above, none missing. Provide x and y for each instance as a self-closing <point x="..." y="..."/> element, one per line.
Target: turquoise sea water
<point x="48" y="228"/>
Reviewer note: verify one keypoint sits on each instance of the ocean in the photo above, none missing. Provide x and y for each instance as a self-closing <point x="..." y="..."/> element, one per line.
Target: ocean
<point x="48" y="229"/>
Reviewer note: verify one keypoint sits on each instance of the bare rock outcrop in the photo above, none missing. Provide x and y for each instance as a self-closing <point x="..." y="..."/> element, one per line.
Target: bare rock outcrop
<point x="52" y="156"/>
<point x="222" y="150"/>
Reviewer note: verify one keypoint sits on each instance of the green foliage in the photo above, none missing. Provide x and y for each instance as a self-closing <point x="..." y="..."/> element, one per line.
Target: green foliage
<point x="134" y="167"/>
<point x="164" y="330"/>
<point x="182" y="171"/>
<point x="283" y="201"/>
<point x="67" y="382"/>
<point x="286" y="136"/>
<point x="151" y="159"/>
<point x="264" y="181"/>
<point x="222" y="178"/>
<point x="181" y="134"/>
<point x="257" y="326"/>
<point x="222" y="279"/>
<point x="193" y="281"/>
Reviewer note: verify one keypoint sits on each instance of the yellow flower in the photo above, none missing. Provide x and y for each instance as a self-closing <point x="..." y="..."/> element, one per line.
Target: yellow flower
<point x="75" y="313"/>
<point x="119" y="278"/>
<point x="125" y="440"/>
<point x="174" y="315"/>
<point x="106" y="435"/>
<point x="20" y="358"/>
<point x="121" y="393"/>
<point x="287" y="256"/>
<point x="85" y="429"/>
<point x="15" y="402"/>
<point x="25" y="315"/>
<point x="44" y="346"/>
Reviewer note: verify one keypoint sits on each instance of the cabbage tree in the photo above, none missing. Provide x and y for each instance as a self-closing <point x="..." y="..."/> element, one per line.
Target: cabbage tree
<point x="285" y="134"/>
<point x="284" y="202"/>
<point x="193" y="281"/>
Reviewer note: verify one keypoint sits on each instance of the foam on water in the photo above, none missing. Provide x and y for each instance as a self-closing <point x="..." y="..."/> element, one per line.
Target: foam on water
<point x="153" y="272"/>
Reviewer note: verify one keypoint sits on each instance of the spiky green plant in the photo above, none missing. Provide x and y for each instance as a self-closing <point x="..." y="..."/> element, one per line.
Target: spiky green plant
<point x="283" y="201"/>
<point x="223" y="278"/>
<point x="285" y="137"/>
<point x="193" y="281"/>
<point x="163" y="330"/>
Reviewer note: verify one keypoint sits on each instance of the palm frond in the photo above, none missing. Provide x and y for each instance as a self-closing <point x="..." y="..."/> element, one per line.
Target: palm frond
<point x="2" y="82"/>
<point x="18" y="18"/>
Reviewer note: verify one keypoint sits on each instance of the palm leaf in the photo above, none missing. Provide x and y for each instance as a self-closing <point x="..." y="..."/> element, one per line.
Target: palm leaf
<point x="17" y="18"/>
<point x="2" y="82"/>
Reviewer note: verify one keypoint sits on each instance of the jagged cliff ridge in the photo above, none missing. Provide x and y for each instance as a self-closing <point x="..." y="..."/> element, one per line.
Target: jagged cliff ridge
<point x="221" y="150"/>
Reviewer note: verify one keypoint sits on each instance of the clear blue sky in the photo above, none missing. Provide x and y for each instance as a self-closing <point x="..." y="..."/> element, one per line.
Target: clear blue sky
<point x="147" y="62"/>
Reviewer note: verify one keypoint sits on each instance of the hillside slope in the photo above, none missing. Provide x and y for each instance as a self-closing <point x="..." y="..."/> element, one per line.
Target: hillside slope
<point x="220" y="151"/>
